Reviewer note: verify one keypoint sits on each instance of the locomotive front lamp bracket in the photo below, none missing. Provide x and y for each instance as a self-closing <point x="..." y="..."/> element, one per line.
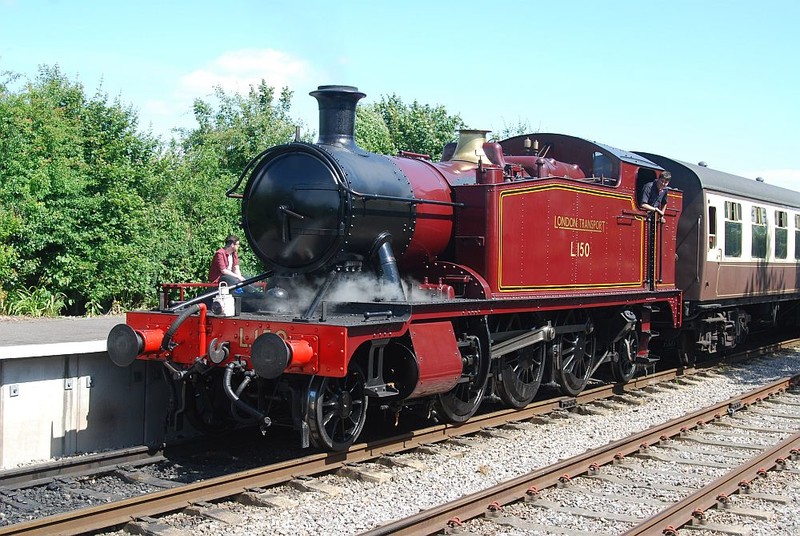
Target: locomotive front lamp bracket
<point x="217" y="351"/>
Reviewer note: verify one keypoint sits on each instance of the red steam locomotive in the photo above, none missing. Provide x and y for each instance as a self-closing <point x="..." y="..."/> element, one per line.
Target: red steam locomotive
<point x="406" y="283"/>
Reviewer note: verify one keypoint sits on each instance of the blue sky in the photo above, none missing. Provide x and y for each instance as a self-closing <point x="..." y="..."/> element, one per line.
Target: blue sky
<point x="709" y="80"/>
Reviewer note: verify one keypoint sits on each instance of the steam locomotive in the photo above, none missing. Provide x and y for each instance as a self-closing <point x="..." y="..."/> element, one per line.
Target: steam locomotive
<point x="406" y="284"/>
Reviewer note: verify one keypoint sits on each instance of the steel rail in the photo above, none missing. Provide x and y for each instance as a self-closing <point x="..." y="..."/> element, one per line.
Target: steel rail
<point x="479" y="422"/>
<point x="476" y="504"/>
<point x="37" y="474"/>
<point x="107" y="515"/>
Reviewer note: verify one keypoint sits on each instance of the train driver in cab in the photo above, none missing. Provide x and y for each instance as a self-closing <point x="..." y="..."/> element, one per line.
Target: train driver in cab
<point x="654" y="195"/>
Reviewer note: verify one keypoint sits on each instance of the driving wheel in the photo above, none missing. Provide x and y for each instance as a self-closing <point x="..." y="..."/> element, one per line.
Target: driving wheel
<point x="336" y="409"/>
<point x="519" y="373"/>
<point x="573" y="353"/>
<point x="461" y="402"/>
<point x="624" y="368"/>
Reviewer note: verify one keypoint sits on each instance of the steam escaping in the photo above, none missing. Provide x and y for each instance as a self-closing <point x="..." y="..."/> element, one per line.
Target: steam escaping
<point x="359" y="288"/>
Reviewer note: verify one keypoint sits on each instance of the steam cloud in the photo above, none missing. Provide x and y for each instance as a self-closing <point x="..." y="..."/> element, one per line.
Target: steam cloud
<point x="362" y="287"/>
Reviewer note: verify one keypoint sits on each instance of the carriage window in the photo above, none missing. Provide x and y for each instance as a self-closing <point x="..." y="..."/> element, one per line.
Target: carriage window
<point x="781" y="234"/>
<point x="797" y="237"/>
<point x="712" y="227"/>
<point x="733" y="229"/>
<point x="758" y="249"/>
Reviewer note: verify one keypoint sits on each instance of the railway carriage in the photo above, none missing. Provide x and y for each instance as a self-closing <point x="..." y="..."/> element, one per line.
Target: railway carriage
<point x="738" y="250"/>
<point x="405" y="284"/>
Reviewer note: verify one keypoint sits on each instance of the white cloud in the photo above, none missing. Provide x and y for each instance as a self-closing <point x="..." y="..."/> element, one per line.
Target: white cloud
<point x="237" y="70"/>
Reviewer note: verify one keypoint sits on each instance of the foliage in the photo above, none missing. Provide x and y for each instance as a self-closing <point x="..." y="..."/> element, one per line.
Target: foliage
<point x="32" y="302"/>
<point x="372" y="133"/>
<point x="237" y="127"/>
<point x="418" y="128"/>
<point x="76" y="185"/>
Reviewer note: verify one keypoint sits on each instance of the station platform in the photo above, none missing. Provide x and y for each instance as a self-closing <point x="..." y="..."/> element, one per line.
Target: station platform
<point x="61" y="395"/>
<point x="32" y="337"/>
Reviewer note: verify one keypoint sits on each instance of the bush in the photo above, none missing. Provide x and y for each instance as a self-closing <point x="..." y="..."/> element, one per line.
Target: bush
<point x="78" y="185"/>
<point x="32" y="302"/>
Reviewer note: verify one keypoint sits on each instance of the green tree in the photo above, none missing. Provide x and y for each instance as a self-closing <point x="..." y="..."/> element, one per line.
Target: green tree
<point x="418" y="128"/>
<point x="95" y="213"/>
<point x="371" y="133"/>
<point x="77" y="183"/>
<point x="237" y="127"/>
<point x="9" y="220"/>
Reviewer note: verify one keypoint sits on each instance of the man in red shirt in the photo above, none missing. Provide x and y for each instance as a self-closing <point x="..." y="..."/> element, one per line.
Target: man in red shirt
<point x="225" y="264"/>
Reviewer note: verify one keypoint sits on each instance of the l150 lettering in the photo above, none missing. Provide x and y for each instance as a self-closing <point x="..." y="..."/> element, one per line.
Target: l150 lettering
<point x="579" y="249"/>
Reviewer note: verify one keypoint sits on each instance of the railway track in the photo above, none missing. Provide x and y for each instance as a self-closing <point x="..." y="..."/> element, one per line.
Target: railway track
<point x="610" y="462"/>
<point x="248" y="485"/>
<point x="98" y="463"/>
<point x="101" y="462"/>
<point x="41" y="474"/>
<point x="121" y="511"/>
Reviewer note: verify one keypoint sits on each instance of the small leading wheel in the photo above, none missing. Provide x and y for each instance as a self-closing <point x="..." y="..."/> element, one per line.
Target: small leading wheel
<point x="463" y="400"/>
<point x="519" y="373"/>
<point x="336" y="409"/>
<point x="573" y="354"/>
<point x="624" y="368"/>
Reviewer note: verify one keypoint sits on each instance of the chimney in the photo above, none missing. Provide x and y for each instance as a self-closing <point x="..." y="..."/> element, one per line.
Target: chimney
<point x="337" y="114"/>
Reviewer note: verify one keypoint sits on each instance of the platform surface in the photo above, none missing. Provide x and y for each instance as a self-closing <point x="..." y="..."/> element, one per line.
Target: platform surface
<point x="29" y="337"/>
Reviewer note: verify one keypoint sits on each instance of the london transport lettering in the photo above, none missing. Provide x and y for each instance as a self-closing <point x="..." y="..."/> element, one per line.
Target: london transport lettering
<point x="571" y="223"/>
